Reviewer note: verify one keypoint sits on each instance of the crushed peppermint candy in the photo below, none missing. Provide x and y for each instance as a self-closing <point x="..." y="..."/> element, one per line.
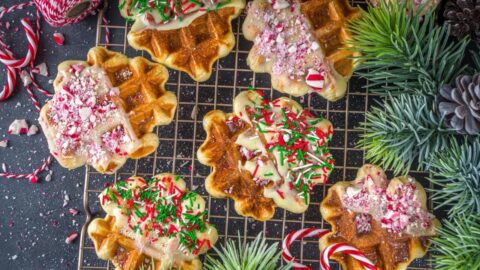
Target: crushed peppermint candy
<point x="161" y="208"/>
<point x="18" y="127"/>
<point x="80" y="112"/>
<point x="41" y="69"/>
<point x="58" y="38"/>
<point x="398" y="209"/>
<point x="73" y="211"/>
<point x="71" y="237"/>
<point x="363" y="223"/>
<point x="32" y="130"/>
<point x="4" y="143"/>
<point x="25" y="77"/>
<point x="287" y="41"/>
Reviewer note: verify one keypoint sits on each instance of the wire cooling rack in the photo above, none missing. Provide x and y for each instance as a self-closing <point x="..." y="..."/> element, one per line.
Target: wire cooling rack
<point x="180" y="140"/>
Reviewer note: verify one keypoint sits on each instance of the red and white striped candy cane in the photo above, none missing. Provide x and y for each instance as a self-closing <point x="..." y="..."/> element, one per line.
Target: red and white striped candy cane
<point x="347" y="249"/>
<point x="298" y="235"/>
<point x="32" y="48"/>
<point x="6" y="56"/>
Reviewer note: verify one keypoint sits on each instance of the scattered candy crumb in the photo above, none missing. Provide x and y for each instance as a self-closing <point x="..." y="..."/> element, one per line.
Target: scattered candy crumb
<point x="18" y="127"/>
<point x="59" y="38"/>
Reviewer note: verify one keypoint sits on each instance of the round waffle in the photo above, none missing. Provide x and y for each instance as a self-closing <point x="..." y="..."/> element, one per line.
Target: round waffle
<point x="301" y="40"/>
<point x="118" y="119"/>
<point x="391" y="232"/>
<point x="190" y="45"/>
<point x="156" y="224"/>
<point x="265" y="154"/>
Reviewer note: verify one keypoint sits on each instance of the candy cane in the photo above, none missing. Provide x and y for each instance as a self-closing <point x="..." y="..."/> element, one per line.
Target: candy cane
<point x="347" y="249"/>
<point x="326" y="254"/>
<point x="32" y="38"/>
<point x="300" y="234"/>
<point x="6" y="56"/>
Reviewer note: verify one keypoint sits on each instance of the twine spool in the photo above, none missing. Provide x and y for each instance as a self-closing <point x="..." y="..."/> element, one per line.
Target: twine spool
<point x="63" y="12"/>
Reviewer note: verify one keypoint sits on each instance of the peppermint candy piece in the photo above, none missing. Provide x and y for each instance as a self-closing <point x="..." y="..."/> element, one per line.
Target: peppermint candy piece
<point x="279" y="4"/>
<point x="17" y="127"/>
<point x="32" y="130"/>
<point x="315" y="79"/>
<point x="4" y="143"/>
<point x="41" y="69"/>
<point x="71" y="237"/>
<point x="59" y="38"/>
<point x="26" y="79"/>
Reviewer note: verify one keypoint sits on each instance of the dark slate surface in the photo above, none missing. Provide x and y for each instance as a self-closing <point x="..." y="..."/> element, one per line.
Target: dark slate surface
<point x="33" y="223"/>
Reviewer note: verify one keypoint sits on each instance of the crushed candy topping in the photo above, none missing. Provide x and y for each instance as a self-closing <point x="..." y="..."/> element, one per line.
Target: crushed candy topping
<point x="285" y="145"/>
<point x="287" y="42"/>
<point x="398" y="210"/>
<point x="81" y="110"/>
<point x="160" y="210"/>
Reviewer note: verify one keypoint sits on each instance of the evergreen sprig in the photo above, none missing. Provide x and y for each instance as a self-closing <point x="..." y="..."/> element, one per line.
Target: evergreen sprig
<point x="457" y="171"/>
<point x="458" y="244"/>
<point x="476" y="58"/>
<point x="403" y="52"/>
<point x="401" y="130"/>
<point x="251" y="256"/>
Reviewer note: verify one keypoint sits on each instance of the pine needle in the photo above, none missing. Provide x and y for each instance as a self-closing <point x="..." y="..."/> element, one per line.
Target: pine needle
<point x="251" y="256"/>
<point x="476" y="58"/>
<point x="458" y="244"/>
<point x="401" y="131"/>
<point x="401" y="52"/>
<point x="456" y="171"/>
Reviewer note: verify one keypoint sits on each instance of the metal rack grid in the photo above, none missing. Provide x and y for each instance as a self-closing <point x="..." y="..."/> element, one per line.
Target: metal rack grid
<point x="180" y="140"/>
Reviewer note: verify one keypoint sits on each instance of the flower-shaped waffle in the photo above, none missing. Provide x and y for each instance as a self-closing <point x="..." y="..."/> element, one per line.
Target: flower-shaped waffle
<point x="302" y="44"/>
<point x="265" y="154"/>
<point x="156" y="222"/>
<point x="185" y="35"/>
<point x="104" y="110"/>
<point x="387" y="220"/>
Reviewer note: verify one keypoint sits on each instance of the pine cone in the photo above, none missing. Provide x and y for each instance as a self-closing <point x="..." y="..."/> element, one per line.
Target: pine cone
<point x="460" y="105"/>
<point x="464" y="17"/>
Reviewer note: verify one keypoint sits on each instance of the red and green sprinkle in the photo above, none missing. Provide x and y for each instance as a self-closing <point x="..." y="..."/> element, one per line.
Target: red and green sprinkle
<point x="158" y="208"/>
<point x="300" y="143"/>
<point x="169" y="9"/>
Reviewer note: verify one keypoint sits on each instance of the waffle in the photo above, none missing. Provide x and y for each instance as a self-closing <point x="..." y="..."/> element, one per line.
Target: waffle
<point x="391" y="243"/>
<point x="302" y="45"/>
<point x="139" y="103"/>
<point x="137" y="248"/>
<point x="142" y="89"/>
<point x="190" y="45"/>
<point x="252" y="166"/>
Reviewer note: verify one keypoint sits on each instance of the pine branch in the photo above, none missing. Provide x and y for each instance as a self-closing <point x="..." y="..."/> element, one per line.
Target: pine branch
<point x="458" y="244"/>
<point x="402" y="53"/>
<point x="404" y="129"/>
<point x="457" y="171"/>
<point x="476" y="58"/>
<point x="252" y="256"/>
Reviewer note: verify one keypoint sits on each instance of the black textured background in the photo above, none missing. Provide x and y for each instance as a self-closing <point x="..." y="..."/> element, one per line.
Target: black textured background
<point x="33" y="223"/>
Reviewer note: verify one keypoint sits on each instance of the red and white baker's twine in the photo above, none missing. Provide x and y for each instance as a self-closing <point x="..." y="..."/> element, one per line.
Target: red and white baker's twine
<point x="326" y="254"/>
<point x="55" y="12"/>
<point x="31" y="176"/>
